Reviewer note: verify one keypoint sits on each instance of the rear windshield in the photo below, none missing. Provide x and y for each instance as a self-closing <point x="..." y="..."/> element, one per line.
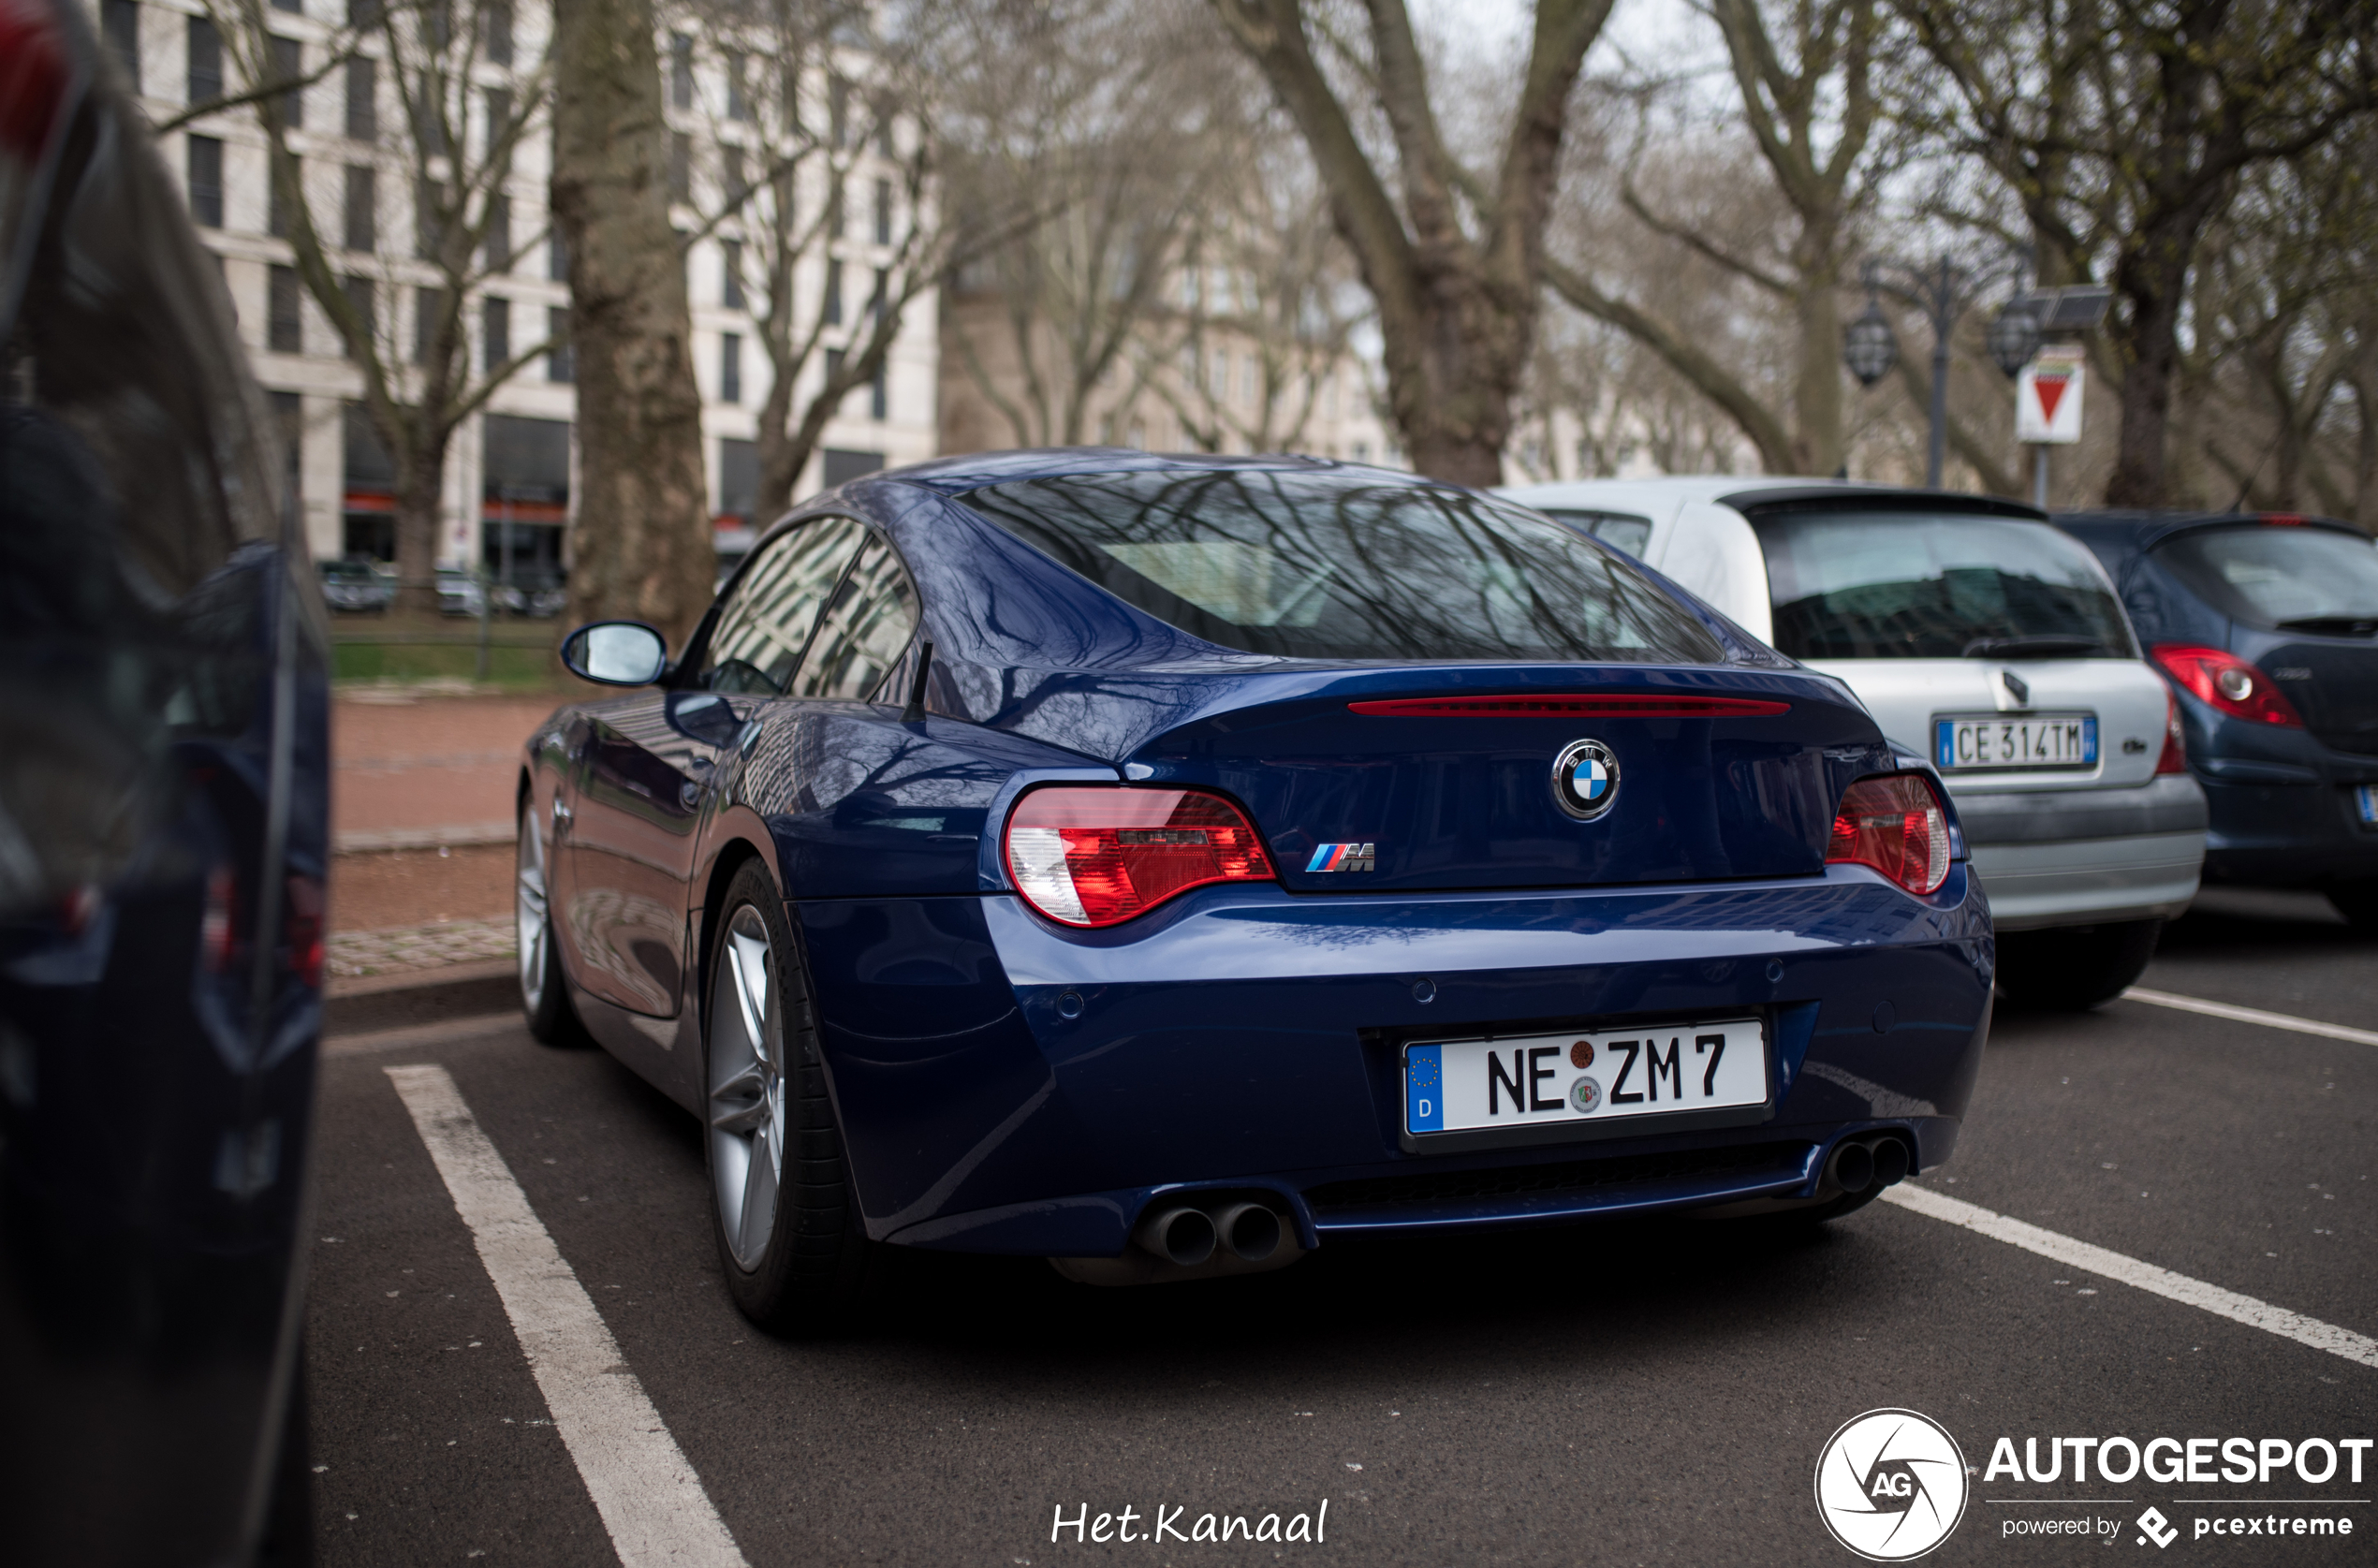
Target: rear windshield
<point x="1345" y="566"/>
<point x="1932" y="585"/>
<point x="2297" y="579"/>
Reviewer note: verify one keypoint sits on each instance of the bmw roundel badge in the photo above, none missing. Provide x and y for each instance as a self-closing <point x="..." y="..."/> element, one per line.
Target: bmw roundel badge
<point x="1585" y="779"/>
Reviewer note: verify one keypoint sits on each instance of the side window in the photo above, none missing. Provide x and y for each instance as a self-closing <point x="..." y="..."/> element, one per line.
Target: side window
<point x="1620" y="530"/>
<point x="865" y="630"/>
<point x="763" y="629"/>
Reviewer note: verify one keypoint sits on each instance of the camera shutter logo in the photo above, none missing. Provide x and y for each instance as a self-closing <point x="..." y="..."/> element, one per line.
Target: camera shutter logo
<point x="1585" y="779"/>
<point x="1891" y="1484"/>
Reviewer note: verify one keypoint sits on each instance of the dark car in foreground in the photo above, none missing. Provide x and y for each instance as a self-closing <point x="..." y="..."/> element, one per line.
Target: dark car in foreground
<point x="163" y="830"/>
<point x="2266" y="627"/>
<point x="1164" y="865"/>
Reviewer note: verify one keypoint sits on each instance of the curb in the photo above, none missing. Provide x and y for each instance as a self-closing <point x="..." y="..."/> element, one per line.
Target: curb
<point x="365" y="1005"/>
<point x="364" y="841"/>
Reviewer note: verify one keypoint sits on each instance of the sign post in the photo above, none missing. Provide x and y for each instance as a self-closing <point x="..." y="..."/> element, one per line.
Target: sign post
<point x="2047" y="408"/>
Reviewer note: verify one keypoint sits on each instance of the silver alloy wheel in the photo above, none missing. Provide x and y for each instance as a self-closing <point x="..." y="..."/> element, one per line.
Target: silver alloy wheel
<point x="746" y="1088"/>
<point x="529" y="911"/>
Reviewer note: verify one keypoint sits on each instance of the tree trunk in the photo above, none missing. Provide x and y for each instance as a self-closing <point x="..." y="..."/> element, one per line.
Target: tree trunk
<point x="642" y="548"/>
<point x="415" y="504"/>
<point x="781" y="458"/>
<point x="2152" y="277"/>
<point x="1816" y="390"/>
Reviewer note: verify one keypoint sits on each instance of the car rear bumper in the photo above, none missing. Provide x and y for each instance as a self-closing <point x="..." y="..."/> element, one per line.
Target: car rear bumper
<point x="1009" y="1086"/>
<point x="2086" y="856"/>
<point x="2291" y="826"/>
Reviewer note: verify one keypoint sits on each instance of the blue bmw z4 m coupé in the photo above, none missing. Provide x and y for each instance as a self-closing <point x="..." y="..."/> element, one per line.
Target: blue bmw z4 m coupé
<point x="1161" y="865"/>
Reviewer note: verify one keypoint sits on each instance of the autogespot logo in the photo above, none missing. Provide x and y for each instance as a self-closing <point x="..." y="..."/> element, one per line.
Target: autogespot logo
<point x="1890" y="1484"/>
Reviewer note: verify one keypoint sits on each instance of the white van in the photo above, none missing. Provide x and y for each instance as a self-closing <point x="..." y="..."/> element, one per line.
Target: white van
<point x="1979" y="637"/>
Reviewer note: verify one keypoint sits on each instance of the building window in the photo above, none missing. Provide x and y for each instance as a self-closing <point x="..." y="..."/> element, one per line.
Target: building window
<point x="680" y="167"/>
<point x="429" y="306"/>
<point x="833" y="294"/>
<point x="288" y="422"/>
<point x="738" y="477"/>
<point x="875" y="299"/>
<point x="499" y="233"/>
<point x="834" y="224"/>
<point x="788" y="87"/>
<point x="500" y="129"/>
<point x="496" y="332"/>
<point x="739" y="102"/>
<point x="887" y="137"/>
<point x="119" y="25"/>
<point x="283" y="327"/>
<point x="362" y="224"/>
<point x="362" y="98"/>
<point x="833" y="365"/>
<point x="560" y="364"/>
<point x="557" y="250"/>
<point x="363" y="300"/>
<point x="496" y="18"/>
<point x="731" y="275"/>
<point x="289" y="65"/>
<point x="365" y="13"/>
<point x="879" y="396"/>
<point x="730" y="367"/>
<point x="680" y="71"/>
<point x="205" y="170"/>
<point x="838" y="112"/>
<point x="205" y="82"/>
<point x="882" y="212"/>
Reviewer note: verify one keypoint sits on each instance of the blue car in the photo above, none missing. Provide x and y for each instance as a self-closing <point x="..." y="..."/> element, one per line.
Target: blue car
<point x="1161" y="865"/>
<point x="2266" y="627"/>
<point x="164" y="848"/>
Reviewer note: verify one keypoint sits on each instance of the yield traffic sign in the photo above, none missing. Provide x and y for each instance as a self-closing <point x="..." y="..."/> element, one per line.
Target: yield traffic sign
<point x="2047" y="396"/>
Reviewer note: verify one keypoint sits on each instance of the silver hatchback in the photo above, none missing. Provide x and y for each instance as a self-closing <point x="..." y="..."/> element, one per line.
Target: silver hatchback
<point x="1983" y="639"/>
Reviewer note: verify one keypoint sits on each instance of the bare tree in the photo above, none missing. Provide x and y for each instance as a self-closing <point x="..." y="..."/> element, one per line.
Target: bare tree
<point x="2121" y="131"/>
<point x="434" y="123"/>
<point x="1805" y="75"/>
<point x="1134" y="127"/>
<point x="1453" y="257"/>
<point x="642" y="547"/>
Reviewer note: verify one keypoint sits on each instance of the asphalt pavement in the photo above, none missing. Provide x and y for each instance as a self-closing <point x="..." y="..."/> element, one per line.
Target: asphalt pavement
<point x="1627" y="1393"/>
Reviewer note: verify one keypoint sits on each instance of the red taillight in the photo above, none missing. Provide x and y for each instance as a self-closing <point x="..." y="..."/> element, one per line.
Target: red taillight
<point x="1098" y="855"/>
<point x="2174" y="757"/>
<point x="301" y="933"/>
<point x="216" y="938"/>
<point x="1571" y="704"/>
<point x="1895" y="823"/>
<point x="2229" y="683"/>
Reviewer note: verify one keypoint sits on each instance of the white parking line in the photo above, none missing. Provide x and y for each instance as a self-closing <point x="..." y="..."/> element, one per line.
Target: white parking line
<point x="2251" y="1015"/>
<point x="2146" y="1276"/>
<point x="651" y="1500"/>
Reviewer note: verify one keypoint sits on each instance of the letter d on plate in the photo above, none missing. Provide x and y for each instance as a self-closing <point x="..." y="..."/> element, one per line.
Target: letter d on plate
<point x="1423" y="1090"/>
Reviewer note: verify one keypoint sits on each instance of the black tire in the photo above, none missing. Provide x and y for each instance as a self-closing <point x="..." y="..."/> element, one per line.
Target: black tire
<point x="545" y="995"/>
<point x="2357" y="902"/>
<point x="810" y="1268"/>
<point x="2073" y="968"/>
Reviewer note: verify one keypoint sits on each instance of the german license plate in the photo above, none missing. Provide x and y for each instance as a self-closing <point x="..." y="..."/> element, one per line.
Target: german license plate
<point x="2366" y="804"/>
<point x="1552" y="1080"/>
<point x="2031" y="741"/>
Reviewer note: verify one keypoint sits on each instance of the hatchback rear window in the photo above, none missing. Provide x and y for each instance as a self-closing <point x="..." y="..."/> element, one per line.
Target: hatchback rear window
<point x="2304" y="579"/>
<point x="1934" y="585"/>
<point x="1323" y="564"/>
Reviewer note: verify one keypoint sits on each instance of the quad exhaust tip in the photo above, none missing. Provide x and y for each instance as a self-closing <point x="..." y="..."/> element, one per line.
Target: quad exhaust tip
<point x="1181" y="1241"/>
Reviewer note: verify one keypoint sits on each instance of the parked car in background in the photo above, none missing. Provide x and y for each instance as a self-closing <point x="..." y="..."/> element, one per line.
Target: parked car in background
<point x="1985" y="640"/>
<point x="459" y="592"/>
<point x="355" y="586"/>
<point x="541" y="596"/>
<point x="2266" y="625"/>
<point x="164" y="809"/>
<point x="1164" y="865"/>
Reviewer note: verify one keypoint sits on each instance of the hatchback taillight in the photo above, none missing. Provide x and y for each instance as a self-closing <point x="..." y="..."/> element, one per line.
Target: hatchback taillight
<point x="2174" y="757"/>
<point x="2228" y="683"/>
<point x="1098" y="855"/>
<point x="1895" y="823"/>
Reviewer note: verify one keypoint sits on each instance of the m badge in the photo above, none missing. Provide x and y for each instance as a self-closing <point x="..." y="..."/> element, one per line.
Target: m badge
<point x="1344" y="857"/>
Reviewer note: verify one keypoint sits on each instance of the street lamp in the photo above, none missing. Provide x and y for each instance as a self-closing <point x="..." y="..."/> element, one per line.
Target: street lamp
<point x="1869" y="346"/>
<point x="2013" y="337"/>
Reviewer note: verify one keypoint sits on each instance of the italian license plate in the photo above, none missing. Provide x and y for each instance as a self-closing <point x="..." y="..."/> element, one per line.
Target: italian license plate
<point x="1555" y="1079"/>
<point x="2033" y="741"/>
<point x="2366" y="804"/>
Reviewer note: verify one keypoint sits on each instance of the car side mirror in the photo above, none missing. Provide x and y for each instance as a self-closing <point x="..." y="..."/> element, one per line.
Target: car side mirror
<point x="616" y="654"/>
